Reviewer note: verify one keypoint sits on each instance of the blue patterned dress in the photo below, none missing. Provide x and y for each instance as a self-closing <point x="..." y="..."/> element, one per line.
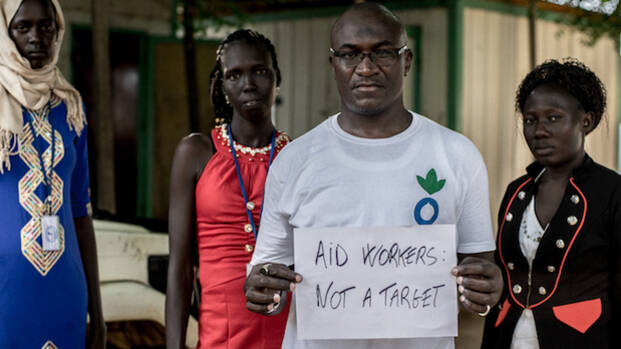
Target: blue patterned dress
<point x="43" y="294"/>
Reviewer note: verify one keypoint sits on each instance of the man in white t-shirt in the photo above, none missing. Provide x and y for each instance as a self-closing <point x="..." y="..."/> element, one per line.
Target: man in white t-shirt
<point x="375" y="164"/>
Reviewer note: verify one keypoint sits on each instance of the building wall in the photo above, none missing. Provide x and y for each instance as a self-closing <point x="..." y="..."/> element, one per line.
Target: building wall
<point x="433" y="87"/>
<point x="170" y="111"/>
<point x="495" y="60"/>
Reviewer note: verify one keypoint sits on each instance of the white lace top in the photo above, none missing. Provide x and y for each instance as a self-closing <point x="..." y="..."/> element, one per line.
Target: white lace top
<point x="525" y="333"/>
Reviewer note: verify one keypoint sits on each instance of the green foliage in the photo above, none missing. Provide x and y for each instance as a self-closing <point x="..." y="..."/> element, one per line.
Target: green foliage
<point x="595" y="25"/>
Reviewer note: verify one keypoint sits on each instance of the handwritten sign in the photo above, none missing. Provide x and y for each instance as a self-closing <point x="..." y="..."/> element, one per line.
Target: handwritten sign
<point x="376" y="282"/>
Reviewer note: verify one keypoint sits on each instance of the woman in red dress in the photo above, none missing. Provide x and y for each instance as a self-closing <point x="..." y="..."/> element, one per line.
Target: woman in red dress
<point x="216" y="192"/>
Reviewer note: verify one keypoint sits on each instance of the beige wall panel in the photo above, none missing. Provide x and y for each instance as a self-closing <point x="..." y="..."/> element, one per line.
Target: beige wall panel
<point x="520" y="155"/>
<point x="302" y="78"/>
<point x="331" y="103"/>
<point x="492" y="75"/>
<point x="283" y="37"/>
<point x="472" y="78"/>
<point x="495" y="60"/>
<point x="433" y="60"/>
<point x="307" y="89"/>
<point x="491" y="66"/>
<point x="323" y="95"/>
<point x="408" y="82"/>
<point x="512" y="42"/>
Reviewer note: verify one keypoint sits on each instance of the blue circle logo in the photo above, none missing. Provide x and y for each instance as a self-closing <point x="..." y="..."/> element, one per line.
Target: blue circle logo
<point x="419" y="207"/>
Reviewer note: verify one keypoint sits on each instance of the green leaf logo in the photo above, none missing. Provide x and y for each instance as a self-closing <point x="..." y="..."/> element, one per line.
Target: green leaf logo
<point x="431" y="184"/>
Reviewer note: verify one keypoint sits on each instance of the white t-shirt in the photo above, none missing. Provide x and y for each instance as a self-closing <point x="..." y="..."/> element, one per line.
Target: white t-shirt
<point x="330" y="178"/>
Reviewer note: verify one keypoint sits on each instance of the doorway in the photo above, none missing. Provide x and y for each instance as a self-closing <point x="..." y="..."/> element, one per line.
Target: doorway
<point x="124" y="69"/>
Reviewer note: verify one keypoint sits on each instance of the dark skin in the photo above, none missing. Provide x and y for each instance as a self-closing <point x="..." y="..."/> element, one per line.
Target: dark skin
<point x="34" y="31"/>
<point x="371" y="95"/>
<point x="372" y="107"/>
<point x="96" y="338"/>
<point x="249" y="81"/>
<point x="555" y="126"/>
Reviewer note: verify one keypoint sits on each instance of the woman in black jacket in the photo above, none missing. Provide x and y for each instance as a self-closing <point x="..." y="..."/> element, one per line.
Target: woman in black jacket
<point x="559" y="237"/>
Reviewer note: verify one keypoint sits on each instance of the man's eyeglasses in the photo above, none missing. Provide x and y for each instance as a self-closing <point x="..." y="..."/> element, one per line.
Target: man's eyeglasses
<point x="383" y="57"/>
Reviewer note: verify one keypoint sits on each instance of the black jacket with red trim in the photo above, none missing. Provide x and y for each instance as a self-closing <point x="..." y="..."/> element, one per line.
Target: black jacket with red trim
<point x="575" y="289"/>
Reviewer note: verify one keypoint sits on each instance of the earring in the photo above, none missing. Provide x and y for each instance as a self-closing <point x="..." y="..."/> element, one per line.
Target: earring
<point x="226" y="98"/>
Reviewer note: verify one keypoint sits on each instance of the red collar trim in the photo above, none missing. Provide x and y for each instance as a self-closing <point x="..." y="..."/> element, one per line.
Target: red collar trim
<point x="560" y="269"/>
<point x="502" y="225"/>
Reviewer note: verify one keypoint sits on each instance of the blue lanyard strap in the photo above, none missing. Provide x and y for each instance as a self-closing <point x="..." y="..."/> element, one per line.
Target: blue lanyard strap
<point x="241" y="181"/>
<point x="46" y="176"/>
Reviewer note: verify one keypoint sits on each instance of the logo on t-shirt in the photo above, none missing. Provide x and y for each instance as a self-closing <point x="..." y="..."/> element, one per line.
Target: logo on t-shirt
<point x="431" y="185"/>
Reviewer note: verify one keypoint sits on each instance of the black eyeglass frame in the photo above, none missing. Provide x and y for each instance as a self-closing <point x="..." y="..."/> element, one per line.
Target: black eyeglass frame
<point x="360" y="56"/>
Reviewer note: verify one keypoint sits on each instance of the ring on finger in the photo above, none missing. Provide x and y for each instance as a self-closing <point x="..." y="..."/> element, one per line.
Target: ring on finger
<point x="265" y="269"/>
<point x="486" y="311"/>
<point x="274" y="307"/>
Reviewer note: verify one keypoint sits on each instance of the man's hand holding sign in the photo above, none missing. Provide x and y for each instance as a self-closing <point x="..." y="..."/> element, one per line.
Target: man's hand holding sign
<point x="479" y="282"/>
<point x="266" y="287"/>
<point x="388" y="283"/>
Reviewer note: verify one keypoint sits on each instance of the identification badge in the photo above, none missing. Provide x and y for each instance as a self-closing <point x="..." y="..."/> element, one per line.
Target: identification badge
<point x="50" y="233"/>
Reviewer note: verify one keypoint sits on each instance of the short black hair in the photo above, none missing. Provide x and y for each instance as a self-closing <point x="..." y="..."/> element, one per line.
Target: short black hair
<point x="573" y="76"/>
<point x="222" y="110"/>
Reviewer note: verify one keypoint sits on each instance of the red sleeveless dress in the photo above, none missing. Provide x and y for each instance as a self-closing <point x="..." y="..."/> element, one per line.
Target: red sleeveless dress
<point x="225" y="247"/>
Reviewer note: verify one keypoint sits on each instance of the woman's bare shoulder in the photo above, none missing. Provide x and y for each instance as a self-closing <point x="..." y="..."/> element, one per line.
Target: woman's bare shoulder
<point x="193" y="152"/>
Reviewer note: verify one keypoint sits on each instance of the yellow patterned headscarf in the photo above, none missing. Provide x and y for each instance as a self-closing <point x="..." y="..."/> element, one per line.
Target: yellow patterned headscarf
<point x="22" y="86"/>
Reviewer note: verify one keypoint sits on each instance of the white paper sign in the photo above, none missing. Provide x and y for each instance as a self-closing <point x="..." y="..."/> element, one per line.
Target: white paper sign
<point x="376" y="282"/>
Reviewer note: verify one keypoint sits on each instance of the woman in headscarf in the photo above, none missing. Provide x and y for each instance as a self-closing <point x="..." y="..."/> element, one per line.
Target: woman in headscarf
<point x="48" y="261"/>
